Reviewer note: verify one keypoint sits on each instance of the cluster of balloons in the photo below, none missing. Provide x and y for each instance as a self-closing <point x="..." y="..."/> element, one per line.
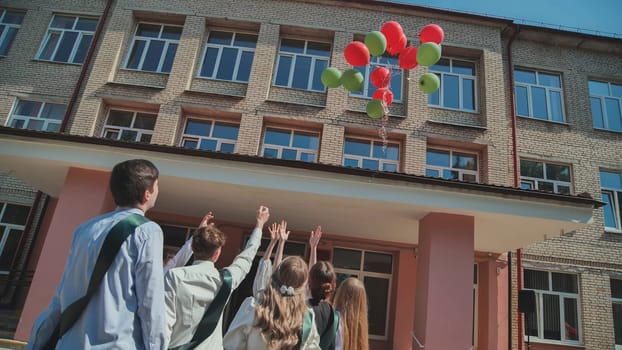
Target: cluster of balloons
<point x="390" y="39"/>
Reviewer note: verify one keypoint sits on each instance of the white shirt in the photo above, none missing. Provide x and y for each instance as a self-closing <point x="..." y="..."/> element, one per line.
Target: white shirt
<point x="190" y="290"/>
<point x="181" y="257"/>
<point x="127" y="312"/>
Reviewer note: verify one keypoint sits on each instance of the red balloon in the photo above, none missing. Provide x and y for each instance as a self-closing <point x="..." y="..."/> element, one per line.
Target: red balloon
<point x="408" y="58"/>
<point x="431" y="33"/>
<point x="381" y="77"/>
<point x="392" y="31"/>
<point x="357" y="54"/>
<point x="394" y="47"/>
<point x="385" y="95"/>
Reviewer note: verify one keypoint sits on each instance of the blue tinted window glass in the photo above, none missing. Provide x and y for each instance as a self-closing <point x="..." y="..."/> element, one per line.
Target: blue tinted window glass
<point x="154" y="53"/>
<point x="526" y="185"/>
<point x="611" y="180"/>
<point x="538" y="102"/>
<point x="464" y="161"/>
<point x="556" y="106"/>
<point x="301" y="72"/>
<point x="270" y="153"/>
<point x="225" y="131"/>
<point x="88" y="24"/>
<point x="13" y="17"/>
<point x="173" y="33"/>
<point x="598" y="88"/>
<point x="616" y="90"/>
<point x="357" y="148"/>
<point x="28" y="108"/>
<point x="137" y="52"/>
<point x="438" y="158"/>
<point x="431" y="172"/>
<point x="8" y="40"/>
<point x="318" y="49"/>
<point x="66" y="45"/>
<point x="82" y="48"/>
<point x="289" y="154"/>
<point x="209" y="62"/>
<point x="597" y="112"/>
<point x="220" y="38"/>
<point x="389" y="167"/>
<point x="227" y="64"/>
<point x="396" y="85"/>
<point x="441" y="66"/>
<point x="614" y="119"/>
<point x="549" y="80"/>
<point x="307" y="157"/>
<point x="245" y="40"/>
<point x="524" y="76"/>
<point x="317" y="84"/>
<point x="227" y="147"/>
<point x="351" y="162"/>
<point x="468" y="94"/>
<point x="63" y="22"/>
<point x="277" y="137"/>
<point x="370" y="164"/>
<point x="450" y="92"/>
<point x="198" y="127"/>
<point x="522" y="103"/>
<point x="450" y="174"/>
<point x="433" y="98"/>
<point x="148" y="30"/>
<point x="610" y="218"/>
<point x="465" y="68"/>
<point x="208" y="144"/>
<point x="294" y="46"/>
<point x="282" y="74"/>
<point x="169" y="58"/>
<point x="244" y="69"/>
<point x="390" y="152"/>
<point x="304" y="140"/>
<point x="50" y="46"/>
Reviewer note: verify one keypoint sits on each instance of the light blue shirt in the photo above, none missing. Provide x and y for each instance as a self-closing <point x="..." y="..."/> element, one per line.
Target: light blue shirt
<point x="128" y="310"/>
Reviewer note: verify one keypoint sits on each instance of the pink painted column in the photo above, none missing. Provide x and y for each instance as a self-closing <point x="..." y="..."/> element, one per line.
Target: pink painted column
<point x="84" y="195"/>
<point x="493" y="306"/>
<point x="444" y="291"/>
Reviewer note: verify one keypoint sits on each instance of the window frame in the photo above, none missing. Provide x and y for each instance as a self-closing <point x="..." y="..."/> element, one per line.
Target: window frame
<point x="119" y="129"/>
<point x="461" y="78"/>
<point x="461" y="172"/>
<point x="616" y="199"/>
<point x="361" y="274"/>
<point x="5" y="32"/>
<point x="314" y="59"/>
<point x="381" y="161"/>
<point x="368" y="88"/>
<point x="163" y="54"/>
<point x="299" y="150"/>
<point x="63" y="31"/>
<point x="547" y="89"/>
<point x="199" y="138"/>
<point x="556" y="183"/>
<point x="26" y="118"/>
<point x="603" y="106"/>
<point x="8" y="227"/>
<point x="539" y="313"/>
<point x="220" y="47"/>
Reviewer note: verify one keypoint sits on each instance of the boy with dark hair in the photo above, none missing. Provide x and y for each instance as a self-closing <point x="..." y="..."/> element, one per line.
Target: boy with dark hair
<point x="126" y="310"/>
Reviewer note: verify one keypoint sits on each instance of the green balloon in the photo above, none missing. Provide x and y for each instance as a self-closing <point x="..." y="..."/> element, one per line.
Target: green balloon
<point x="428" y="54"/>
<point x="331" y="77"/>
<point x="375" y="109"/>
<point x="376" y="43"/>
<point x="429" y="83"/>
<point x="352" y="80"/>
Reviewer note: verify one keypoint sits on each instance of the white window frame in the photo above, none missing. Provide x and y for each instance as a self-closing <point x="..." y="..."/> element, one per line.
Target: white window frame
<point x="148" y="39"/>
<point x="5" y="32"/>
<point x="616" y="301"/>
<point x="547" y="89"/>
<point x="562" y="319"/>
<point x="361" y="274"/>
<point x="461" y="172"/>
<point x="372" y="141"/>
<point x="299" y="150"/>
<point x="26" y="118"/>
<point x="603" y="106"/>
<point x="119" y="129"/>
<point x="616" y="198"/>
<point x="198" y="138"/>
<point x="368" y="69"/>
<point x="7" y="228"/>
<point x="62" y="32"/>
<point x="535" y="181"/>
<point x="220" y="48"/>
<point x="461" y="78"/>
<point x="295" y="56"/>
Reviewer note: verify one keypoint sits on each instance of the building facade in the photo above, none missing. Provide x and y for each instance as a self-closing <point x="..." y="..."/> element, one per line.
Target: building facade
<point x="225" y="98"/>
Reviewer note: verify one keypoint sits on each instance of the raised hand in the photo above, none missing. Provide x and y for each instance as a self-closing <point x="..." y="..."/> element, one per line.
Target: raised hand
<point x="274" y="232"/>
<point x="283" y="233"/>
<point x="315" y="236"/>
<point x="207" y="220"/>
<point x="263" y="214"/>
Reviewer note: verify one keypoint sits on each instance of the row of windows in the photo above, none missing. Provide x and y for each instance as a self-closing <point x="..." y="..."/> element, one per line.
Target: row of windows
<point x="229" y="56"/>
<point x="303" y="145"/>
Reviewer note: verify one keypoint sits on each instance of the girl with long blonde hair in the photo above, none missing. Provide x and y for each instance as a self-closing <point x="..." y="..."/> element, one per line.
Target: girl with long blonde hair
<point x="351" y="303"/>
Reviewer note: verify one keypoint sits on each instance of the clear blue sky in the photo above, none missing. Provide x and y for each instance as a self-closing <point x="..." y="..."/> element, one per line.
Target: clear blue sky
<point x="598" y="17"/>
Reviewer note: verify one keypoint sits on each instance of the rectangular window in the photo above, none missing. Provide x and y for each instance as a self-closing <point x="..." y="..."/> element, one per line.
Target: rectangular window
<point x="388" y="62"/>
<point x="68" y="39"/>
<point x="611" y="189"/>
<point x="300" y="64"/>
<point x="13" y="219"/>
<point x="33" y="115"/>
<point x="606" y="102"/>
<point x="545" y="176"/>
<point x="290" y="144"/>
<point x="129" y="126"/>
<point x="175" y="236"/>
<point x="451" y="164"/>
<point x="210" y="135"/>
<point x="371" y="154"/>
<point x="458" y="88"/>
<point x="616" y="298"/>
<point x="557" y="316"/>
<point x="375" y="270"/>
<point x="154" y="47"/>
<point x="10" y="22"/>
<point x="228" y="56"/>
<point x="539" y="95"/>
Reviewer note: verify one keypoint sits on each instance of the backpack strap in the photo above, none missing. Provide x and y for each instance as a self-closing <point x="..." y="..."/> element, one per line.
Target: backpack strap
<point x="307" y="323"/>
<point x="212" y="315"/>
<point x="108" y="252"/>
<point x="328" y="338"/>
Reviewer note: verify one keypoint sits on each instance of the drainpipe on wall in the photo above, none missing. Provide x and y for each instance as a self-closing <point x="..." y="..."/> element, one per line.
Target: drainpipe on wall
<point x="516" y="184"/>
<point x="85" y="66"/>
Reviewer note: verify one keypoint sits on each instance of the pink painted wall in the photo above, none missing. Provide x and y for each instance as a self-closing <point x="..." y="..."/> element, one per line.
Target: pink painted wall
<point x="444" y="290"/>
<point x="492" y="305"/>
<point x="84" y="195"/>
<point x="404" y="307"/>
